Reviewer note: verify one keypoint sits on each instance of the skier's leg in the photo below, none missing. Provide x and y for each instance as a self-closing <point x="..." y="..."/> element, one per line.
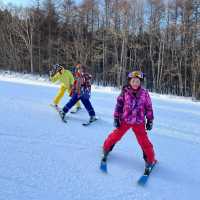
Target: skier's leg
<point x="60" y="94"/>
<point x="86" y="102"/>
<point x="114" y="137"/>
<point x="71" y="103"/>
<point x="78" y="105"/>
<point x="144" y="142"/>
<point x="144" y="157"/>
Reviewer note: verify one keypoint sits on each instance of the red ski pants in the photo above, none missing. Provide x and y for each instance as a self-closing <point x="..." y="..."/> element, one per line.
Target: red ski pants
<point x="141" y="135"/>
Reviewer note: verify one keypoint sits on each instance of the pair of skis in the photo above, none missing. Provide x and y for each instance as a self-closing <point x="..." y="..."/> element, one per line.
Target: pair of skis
<point x="141" y="181"/>
<point x="59" y="110"/>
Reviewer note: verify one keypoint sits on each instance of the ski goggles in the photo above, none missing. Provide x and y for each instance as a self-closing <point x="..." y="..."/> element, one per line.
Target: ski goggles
<point x="136" y="74"/>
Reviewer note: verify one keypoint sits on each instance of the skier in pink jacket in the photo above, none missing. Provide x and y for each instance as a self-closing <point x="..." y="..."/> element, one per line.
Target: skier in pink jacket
<point x="133" y="110"/>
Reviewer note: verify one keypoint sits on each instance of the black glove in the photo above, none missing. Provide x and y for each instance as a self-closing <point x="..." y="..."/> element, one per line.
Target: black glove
<point x="149" y="125"/>
<point x="116" y="123"/>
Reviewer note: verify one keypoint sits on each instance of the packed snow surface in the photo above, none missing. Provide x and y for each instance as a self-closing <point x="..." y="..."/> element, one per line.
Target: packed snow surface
<point x="43" y="158"/>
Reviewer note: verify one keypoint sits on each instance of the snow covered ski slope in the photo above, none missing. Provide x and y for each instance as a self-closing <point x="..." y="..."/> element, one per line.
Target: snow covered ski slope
<point x="42" y="158"/>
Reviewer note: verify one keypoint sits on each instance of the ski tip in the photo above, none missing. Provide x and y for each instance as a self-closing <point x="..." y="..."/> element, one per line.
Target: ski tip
<point x="103" y="167"/>
<point x="86" y="124"/>
<point x="89" y="122"/>
<point x="142" y="181"/>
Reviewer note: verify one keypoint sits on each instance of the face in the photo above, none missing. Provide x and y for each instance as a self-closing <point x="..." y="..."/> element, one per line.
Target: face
<point x="135" y="83"/>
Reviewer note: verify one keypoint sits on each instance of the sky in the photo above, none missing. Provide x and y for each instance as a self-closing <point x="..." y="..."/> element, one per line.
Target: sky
<point x="23" y="2"/>
<point x="18" y="2"/>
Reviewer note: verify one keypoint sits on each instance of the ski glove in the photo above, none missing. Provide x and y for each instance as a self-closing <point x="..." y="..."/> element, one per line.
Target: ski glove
<point x="149" y="125"/>
<point x="116" y="123"/>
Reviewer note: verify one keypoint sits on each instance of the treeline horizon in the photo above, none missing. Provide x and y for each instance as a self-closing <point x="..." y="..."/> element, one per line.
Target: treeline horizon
<point x="111" y="37"/>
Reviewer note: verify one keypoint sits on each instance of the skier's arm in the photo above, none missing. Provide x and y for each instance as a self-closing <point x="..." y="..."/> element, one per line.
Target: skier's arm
<point x="71" y="80"/>
<point x="148" y="107"/>
<point x="78" y="85"/>
<point x="119" y="106"/>
<point x="55" y="77"/>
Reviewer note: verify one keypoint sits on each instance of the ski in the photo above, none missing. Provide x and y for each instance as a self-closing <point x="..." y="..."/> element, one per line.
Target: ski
<point x="103" y="165"/>
<point x="144" y="178"/>
<point x="63" y="119"/>
<point x="89" y="122"/>
<point x="59" y="109"/>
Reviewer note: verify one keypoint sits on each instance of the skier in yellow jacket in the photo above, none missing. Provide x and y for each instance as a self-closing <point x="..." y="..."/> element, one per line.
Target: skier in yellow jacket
<point x="65" y="77"/>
